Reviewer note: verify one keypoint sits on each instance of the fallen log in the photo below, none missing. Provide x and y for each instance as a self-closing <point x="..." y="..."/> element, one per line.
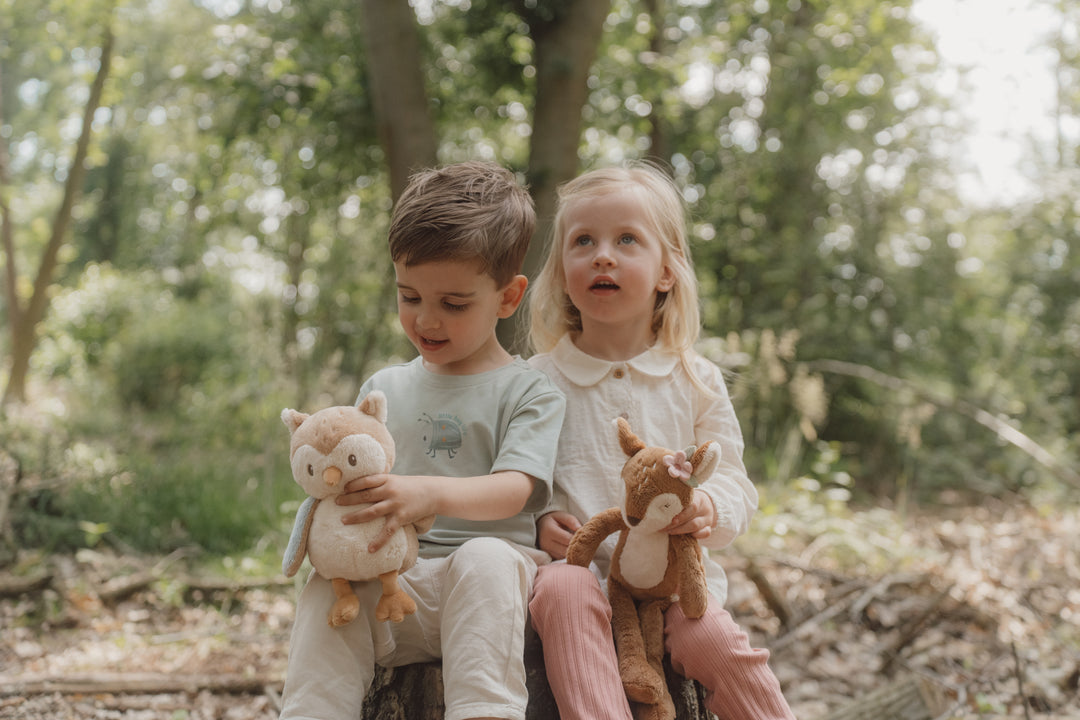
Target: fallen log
<point x="138" y="683"/>
<point x="908" y="698"/>
<point x="16" y="585"/>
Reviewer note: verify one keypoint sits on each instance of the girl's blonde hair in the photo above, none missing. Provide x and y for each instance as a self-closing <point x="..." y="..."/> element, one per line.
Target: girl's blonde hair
<point x="676" y="319"/>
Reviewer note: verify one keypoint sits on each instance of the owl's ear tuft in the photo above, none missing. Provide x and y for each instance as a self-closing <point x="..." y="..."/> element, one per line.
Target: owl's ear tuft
<point x="292" y="419"/>
<point x="374" y="404"/>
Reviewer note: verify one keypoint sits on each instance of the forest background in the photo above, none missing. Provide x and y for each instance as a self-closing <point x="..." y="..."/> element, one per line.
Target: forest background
<point x="194" y="199"/>
<point x="193" y="208"/>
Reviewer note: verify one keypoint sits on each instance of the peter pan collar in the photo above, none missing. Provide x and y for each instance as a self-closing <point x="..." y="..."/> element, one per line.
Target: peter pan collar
<point x="585" y="370"/>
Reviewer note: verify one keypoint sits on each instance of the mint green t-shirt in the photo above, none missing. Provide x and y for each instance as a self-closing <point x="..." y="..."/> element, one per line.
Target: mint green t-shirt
<point x="468" y="425"/>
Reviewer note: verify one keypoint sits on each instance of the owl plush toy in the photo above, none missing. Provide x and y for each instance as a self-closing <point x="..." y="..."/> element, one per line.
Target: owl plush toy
<point x="650" y="569"/>
<point x="328" y="449"/>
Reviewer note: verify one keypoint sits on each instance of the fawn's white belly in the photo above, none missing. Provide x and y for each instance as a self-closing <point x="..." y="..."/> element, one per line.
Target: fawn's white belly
<point x="649" y="551"/>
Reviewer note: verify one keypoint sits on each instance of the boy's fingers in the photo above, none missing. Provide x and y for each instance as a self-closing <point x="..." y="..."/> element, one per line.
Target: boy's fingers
<point x="362" y="483"/>
<point x="383" y="537"/>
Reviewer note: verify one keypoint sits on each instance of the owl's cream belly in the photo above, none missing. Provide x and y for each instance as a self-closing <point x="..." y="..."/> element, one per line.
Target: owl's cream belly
<point x="340" y="551"/>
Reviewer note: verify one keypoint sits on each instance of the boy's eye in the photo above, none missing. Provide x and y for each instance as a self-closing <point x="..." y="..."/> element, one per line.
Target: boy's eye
<point x="408" y="299"/>
<point x="454" y="307"/>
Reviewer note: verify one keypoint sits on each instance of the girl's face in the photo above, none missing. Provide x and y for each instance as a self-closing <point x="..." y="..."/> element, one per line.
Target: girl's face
<point x="613" y="260"/>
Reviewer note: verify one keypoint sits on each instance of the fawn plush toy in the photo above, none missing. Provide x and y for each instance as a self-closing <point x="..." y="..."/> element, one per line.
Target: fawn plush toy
<point x="328" y="449"/>
<point x="649" y="568"/>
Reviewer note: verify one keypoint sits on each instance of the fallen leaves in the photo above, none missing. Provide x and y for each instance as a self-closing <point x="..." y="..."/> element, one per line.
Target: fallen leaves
<point x="981" y="604"/>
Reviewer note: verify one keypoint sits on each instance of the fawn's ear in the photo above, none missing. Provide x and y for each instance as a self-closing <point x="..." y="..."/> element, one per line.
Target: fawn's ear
<point x="630" y="443"/>
<point x="705" y="459"/>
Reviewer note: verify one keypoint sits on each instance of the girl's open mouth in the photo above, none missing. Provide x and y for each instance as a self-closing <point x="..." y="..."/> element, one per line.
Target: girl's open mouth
<point x="603" y="285"/>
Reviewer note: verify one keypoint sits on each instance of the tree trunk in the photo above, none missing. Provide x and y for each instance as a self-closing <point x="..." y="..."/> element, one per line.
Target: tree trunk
<point x="415" y="692"/>
<point x="565" y="50"/>
<point x="25" y="322"/>
<point x="406" y="128"/>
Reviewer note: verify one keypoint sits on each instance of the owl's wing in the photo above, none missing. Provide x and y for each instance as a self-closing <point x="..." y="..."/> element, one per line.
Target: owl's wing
<point x="297" y="547"/>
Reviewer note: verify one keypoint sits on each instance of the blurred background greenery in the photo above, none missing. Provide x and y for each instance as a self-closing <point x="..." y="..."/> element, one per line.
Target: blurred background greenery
<point x="209" y="248"/>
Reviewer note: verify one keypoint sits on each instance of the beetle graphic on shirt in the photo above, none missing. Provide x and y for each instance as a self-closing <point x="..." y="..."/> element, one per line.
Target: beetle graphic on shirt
<point x="443" y="432"/>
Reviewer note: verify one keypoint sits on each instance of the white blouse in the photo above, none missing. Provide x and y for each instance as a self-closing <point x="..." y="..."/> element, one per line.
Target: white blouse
<point x="664" y="407"/>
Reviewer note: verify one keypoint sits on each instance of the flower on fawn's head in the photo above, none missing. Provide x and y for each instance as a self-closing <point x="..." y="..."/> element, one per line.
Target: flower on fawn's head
<point x="678" y="466"/>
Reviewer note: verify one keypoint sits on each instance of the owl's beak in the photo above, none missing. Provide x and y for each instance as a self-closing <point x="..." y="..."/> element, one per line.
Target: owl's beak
<point x="331" y="476"/>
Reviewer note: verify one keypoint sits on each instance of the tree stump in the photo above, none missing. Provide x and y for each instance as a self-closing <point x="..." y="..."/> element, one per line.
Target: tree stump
<point x="415" y="692"/>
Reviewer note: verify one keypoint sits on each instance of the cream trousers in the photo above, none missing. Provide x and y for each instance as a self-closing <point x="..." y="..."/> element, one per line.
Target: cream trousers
<point x="471" y="612"/>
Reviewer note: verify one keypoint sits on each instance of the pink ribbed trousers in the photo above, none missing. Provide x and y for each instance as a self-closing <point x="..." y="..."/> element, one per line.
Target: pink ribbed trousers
<point x="572" y="616"/>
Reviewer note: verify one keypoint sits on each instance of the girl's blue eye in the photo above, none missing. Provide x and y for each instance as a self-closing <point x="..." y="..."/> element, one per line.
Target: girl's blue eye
<point x="582" y="240"/>
<point x="627" y="240"/>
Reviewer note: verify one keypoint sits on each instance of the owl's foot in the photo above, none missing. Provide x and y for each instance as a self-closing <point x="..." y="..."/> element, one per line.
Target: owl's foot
<point x="347" y="605"/>
<point x="344" y="611"/>
<point x="394" y="607"/>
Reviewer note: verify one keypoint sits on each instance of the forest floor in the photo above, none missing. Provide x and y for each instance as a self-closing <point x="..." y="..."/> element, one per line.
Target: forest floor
<point x="980" y="604"/>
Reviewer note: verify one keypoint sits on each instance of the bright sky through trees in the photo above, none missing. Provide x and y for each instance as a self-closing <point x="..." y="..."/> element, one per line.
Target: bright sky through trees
<point x="1007" y="93"/>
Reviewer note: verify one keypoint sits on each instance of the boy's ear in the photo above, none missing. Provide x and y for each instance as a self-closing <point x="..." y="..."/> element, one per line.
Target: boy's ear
<point x="512" y="296"/>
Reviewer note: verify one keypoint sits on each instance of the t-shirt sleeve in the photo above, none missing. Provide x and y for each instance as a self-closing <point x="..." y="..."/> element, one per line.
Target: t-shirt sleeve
<point x="531" y="439"/>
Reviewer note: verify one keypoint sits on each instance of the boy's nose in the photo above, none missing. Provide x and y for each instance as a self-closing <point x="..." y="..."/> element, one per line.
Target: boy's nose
<point x="427" y="320"/>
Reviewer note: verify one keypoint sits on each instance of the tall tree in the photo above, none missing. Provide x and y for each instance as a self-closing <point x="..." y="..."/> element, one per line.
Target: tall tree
<point x="566" y="38"/>
<point x="24" y="319"/>
<point x="402" y="110"/>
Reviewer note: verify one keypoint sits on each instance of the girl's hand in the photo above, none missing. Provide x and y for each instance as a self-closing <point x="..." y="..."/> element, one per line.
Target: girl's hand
<point x="697" y="518"/>
<point x="553" y="533"/>
<point x="400" y="499"/>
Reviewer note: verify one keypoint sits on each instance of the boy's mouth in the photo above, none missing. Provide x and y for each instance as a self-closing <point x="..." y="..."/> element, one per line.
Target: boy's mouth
<point x="429" y="344"/>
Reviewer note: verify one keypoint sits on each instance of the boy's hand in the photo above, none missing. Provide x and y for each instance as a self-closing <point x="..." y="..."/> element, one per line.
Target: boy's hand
<point x="400" y="499"/>
<point x="553" y="533"/>
<point x="697" y="518"/>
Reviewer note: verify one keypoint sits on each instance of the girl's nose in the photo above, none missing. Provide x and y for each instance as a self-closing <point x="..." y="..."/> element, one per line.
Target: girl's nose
<point x="603" y="257"/>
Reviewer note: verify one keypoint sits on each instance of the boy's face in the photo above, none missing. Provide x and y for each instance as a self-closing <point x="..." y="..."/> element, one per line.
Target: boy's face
<point x="449" y="311"/>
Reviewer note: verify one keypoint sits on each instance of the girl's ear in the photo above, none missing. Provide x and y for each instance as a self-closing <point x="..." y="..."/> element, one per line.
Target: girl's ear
<point x="512" y="296"/>
<point x="667" y="279"/>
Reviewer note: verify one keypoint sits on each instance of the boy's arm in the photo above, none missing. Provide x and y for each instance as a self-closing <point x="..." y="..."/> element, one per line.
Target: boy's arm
<point x="404" y="499"/>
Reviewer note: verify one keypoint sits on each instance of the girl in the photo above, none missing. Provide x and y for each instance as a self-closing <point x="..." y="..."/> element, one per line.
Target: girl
<point x="614" y="317"/>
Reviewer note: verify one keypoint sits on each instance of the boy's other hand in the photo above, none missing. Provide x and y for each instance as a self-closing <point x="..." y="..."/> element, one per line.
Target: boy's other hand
<point x="399" y="499"/>
<point x="553" y="533"/>
<point x="697" y="518"/>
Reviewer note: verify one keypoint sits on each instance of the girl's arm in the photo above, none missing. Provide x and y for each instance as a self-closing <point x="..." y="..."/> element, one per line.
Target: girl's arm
<point x="733" y="497"/>
<point x="553" y="532"/>
<point x="404" y="499"/>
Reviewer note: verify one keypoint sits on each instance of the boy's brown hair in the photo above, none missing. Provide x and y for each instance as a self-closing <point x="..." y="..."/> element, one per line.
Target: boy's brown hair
<point x="466" y="211"/>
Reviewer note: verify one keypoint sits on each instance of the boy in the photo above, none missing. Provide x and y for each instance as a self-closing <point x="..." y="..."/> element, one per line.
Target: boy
<point x="476" y="432"/>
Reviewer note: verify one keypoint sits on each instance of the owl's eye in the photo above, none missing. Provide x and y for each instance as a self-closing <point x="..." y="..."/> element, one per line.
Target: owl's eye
<point x="352" y="460"/>
<point x="311" y="470"/>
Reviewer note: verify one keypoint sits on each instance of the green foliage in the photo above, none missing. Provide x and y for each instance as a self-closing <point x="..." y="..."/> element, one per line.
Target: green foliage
<point x="227" y="256"/>
<point x="159" y="354"/>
